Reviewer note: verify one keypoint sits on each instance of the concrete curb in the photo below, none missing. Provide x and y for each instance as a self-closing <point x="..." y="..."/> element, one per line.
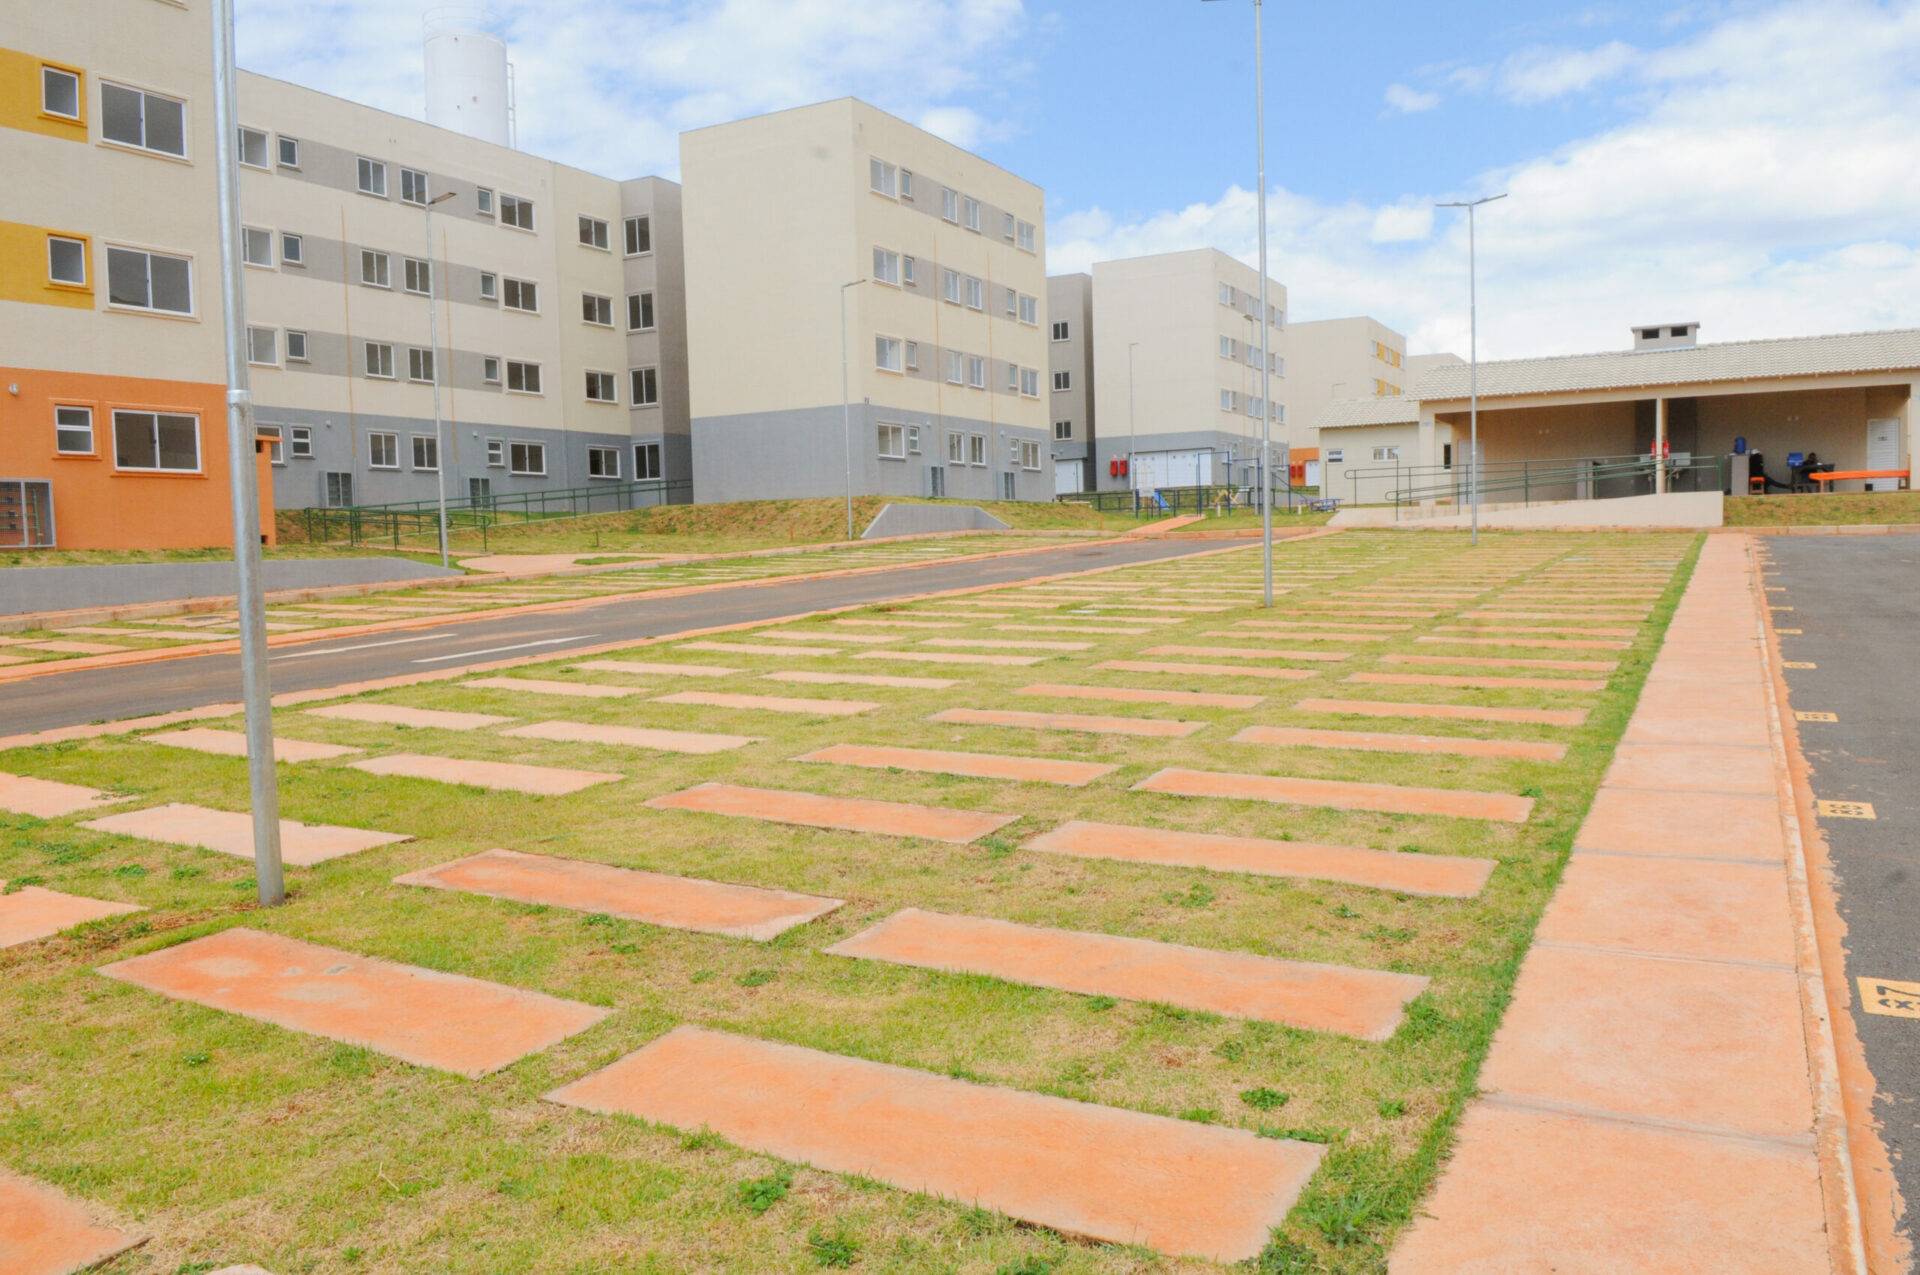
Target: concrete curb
<point x="1838" y="529"/>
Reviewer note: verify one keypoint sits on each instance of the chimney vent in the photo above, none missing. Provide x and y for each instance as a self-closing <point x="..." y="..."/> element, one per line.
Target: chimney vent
<point x="1666" y="336"/>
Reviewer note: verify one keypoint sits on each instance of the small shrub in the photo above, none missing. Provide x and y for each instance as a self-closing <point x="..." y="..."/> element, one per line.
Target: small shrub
<point x="1031" y="1264"/>
<point x="761" y="1194"/>
<point x="754" y="978"/>
<point x="1393" y="1108"/>
<point x="1264" y="1099"/>
<point x="1344" y="1219"/>
<point x="1100" y="1004"/>
<point x="837" y="1250"/>
<point x="130" y="872"/>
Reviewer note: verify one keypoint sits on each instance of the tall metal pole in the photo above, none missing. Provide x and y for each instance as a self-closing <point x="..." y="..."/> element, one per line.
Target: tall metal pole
<point x="1133" y="432"/>
<point x="433" y="348"/>
<point x="1473" y="357"/>
<point x="1266" y="406"/>
<point x="846" y="401"/>
<point x="262" y="782"/>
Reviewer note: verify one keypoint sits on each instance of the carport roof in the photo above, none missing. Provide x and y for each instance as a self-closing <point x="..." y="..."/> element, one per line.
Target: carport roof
<point x="1851" y="352"/>
<point x="1386" y="409"/>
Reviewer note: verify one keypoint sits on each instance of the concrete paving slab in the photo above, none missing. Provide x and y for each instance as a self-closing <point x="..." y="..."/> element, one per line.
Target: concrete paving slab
<point x="1673" y="907"/>
<point x="31" y="913"/>
<point x="1387" y="742"/>
<point x="772" y="703"/>
<point x="1292" y="626"/>
<point x="1688" y="825"/>
<point x="952" y="657"/>
<point x="1099" y="1172"/>
<point x="1483" y="683"/>
<point x="655" y="898"/>
<point x="1092" y="724"/>
<point x="301" y="844"/>
<point x="1530" y="644"/>
<point x="1535" y="629"/>
<point x="1340" y="794"/>
<point x="861" y="679"/>
<point x="1368" y="1004"/>
<point x="43" y="1232"/>
<point x="1122" y="629"/>
<point x="666" y="741"/>
<point x="547" y="781"/>
<point x="1736" y="725"/>
<point x="857" y="639"/>
<point x="12" y="659"/>
<point x="46" y="798"/>
<point x="1247" y="653"/>
<point x="1692" y="768"/>
<point x="464" y="1025"/>
<point x="1007" y="644"/>
<point x="75" y="648"/>
<point x="1303" y="635"/>
<point x="233" y="743"/>
<point x="940" y="761"/>
<point x="1206" y="670"/>
<point x="1402" y="873"/>
<point x="749" y="648"/>
<point x="846" y="814"/>
<point x="396" y="715"/>
<point x="1140" y="695"/>
<point x="649" y="669"/>
<point x="899" y="624"/>
<point x="542" y="686"/>
<point x="1475" y="661"/>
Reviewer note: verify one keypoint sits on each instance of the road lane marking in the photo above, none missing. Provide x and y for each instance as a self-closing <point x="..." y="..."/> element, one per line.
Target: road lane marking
<point x="495" y="650"/>
<point x="364" y="646"/>
<point x="1845" y="809"/>
<point x="1895" y="1000"/>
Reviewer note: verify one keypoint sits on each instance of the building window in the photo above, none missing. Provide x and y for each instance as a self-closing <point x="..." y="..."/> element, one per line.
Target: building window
<point x="418" y="277"/>
<point x="1013" y="377"/>
<point x="1256" y="406"/>
<point x="253" y="148"/>
<point x="646" y="386"/>
<point x="1012" y="302"/>
<point x="883" y="177"/>
<point x="296" y="346"/>
<point x="1226" y="347"/>
<point x="1026" y="239"/>
<point x="976" y="295"/>
<point x="66" y="261"/>
<point x="1030" y="456"/>
<point x="886" y="266"/>
<point x="483" y="201"/>
<point x="383" y="450"/>
<point x="375" y="270"/>
<point x="1336" y="455"/>
<point x="1061" y="331"/>
<point x="1006" y="226"/>
<point x="490" y="369"/>
<point x="289" y="152"/>
<point x="893" y="442"/>
<point x="521" y="294"/>
<point x="976" y="449"/>
<point x="263" y="347"/>
<point x="489" y="286"/>
<point x="256" y="246"/>
<point x="886" y="353"/>
<point x="950" y="286"/>
<point x="73" y="431"/>
<point x="275" y="453"/>
<point x="293" y="250"/>
<point x="1226" y="294"/>
<point x="601" y="388"/>
<point x="419" y="365"/>
<point x="372" y="177"/>
<point x="163" y="442"/>
<point x="426" y="453"/>
<point x="1062" y="381"/>
<point x="527" y="458"/>
<point x="596" y="310"/>
<point x="646" y="460"/>
<point x="1030" y="311"/>
<point x="339" y="490"/>
<point x="956" y="449"/>
<point x="60" y="95"/>
<point x="1030" y="382"/>
<point x="1227" y="400"/>
<point x="149" y="281"/>
<point x="300" y="442"/>
<point x="1062" y="430"/>
<point x="515" y="211"/>
<point x="639" y="235"/>
<point x="523" y="378"/>
<point x="593" y="233"/>
<point x="603" y="462"/>
<point x="970" y="208"/>
<point x="496" y="454"/>
<point x="639" y="312"/>
<point x="413" y="187"/>
<point x="1386" y="453"/>
<point x="906" y="184"/>
<point x="976" y="372"/>
<point x="148" y="121"/>
<point x="906" y="272"/>
<point x="913" y="356"/>
<point x="950" y="206"/>
<point x="913" y="440"/>
<point x="380" y="360"/>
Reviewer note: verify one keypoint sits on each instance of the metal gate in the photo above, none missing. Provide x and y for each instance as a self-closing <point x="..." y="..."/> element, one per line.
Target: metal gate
<point x="26" y="513"/>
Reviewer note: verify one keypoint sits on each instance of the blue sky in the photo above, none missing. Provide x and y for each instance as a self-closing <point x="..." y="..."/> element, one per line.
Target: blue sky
<point x="1751" y="165"/>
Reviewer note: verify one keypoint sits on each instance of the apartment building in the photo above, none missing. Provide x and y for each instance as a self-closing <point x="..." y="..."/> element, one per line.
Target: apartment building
<point x="1189" y="326"/>
<point x="1070" y="380"/>
<point x="938" y="259"/>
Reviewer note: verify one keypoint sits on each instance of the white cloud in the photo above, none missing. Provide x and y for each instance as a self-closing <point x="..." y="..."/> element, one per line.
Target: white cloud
<point x="1539" y="75"/>
<point x="1402" y="223"/>
<point x="1410" y="101"/>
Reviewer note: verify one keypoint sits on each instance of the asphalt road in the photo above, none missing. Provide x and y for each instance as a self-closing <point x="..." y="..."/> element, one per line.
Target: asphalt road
<point x="88" y="695"/>
<point x="1856" y="601"/>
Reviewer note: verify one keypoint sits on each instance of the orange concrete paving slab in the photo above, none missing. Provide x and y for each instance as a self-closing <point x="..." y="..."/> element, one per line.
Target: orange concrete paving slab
<point x="861" y="679"/>
<point x="649" y="668"/>
<point x="1591" y="616"/>
<point x="301" y="844"/>
<point x="772" y="703"/>
<point x="681" y="903"/>
<point x="1169" y="607"/>
<point x="1450" y="712"/>
<point x="542" y="686"/>
<point x="1702" y="1043"/>
<point x="76" y="648"/>
<point x="857" y="639"/>
<point x="1139" y="695"/>
<point x="940" y="761"/>
<point x="846" y="814"/>
<point x="1673" y="907"/>
<point x="1692" y="767"/>
<point x="951" y="657"/>
<point x="1105" y="1173"/>
<point x="1340" y="794"/>
<point x="549" y="781"/>
<point x="1368" y="1004"/>
<point x="1302" y="635"/>
<point x="395" y="715"/>
<point x="1204" y="670"/>
<point x="21" y="659"/>
<point x="1448" y="875"/>
<point x="1705" y="825"/>
<point x="748" y="648"/>
<point x="31" y="912"/>
<point x="1246" y="653"/>
<point x="666" y="741"/>
<point x="1736" y="725"/>
<point x="1483" y="683"/>
<point x="233" y="743"/>
<point x="1475" y="661"/>
<point x="1534" y="629"/>
<point x="1388" y="742"/>
<point x="1290" y="625"/>
<point x="1092" y="724"/>
<point x="900" y="624"/>
<point x="1068" y="628"/>
<point x="1562" y="644"/>
<point x="464" y="1025"/>
<point x="43" y="1232"/>
<point x="1538" y="1192"/>
<point x="46" y="798"/>
<point x="1011" y="644"/>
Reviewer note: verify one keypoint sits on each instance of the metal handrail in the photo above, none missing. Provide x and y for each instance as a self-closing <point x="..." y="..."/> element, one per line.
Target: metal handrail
<point x="1529" y="477"/>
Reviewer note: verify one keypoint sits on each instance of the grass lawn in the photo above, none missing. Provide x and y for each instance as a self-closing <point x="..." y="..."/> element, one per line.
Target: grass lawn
<point x="1822" y="509"/>
<point x="105" y="557"/>
<point x="235" y="1141"/>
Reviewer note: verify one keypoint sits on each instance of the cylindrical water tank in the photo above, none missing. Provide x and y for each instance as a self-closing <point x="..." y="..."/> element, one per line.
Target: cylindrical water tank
<point x="467" y="74"/>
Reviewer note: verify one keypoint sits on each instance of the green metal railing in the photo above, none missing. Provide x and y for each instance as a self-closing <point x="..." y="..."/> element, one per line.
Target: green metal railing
<point x="1532" y="481"/>
<point x="406" y="520"/>
<point x="1167" y="502"/>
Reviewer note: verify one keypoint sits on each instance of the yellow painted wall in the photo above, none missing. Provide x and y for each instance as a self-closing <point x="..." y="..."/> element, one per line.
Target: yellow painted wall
<point x="20" y="98"/>
<point x="23" y="268"/>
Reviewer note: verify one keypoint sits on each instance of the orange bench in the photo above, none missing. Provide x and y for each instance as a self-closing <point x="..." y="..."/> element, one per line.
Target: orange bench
<point x="1840" y="475"/>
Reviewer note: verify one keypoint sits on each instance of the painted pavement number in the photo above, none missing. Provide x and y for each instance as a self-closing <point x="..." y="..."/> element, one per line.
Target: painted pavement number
<point x="1816" y="717"/>
<point x="1884" y="996"/>
<point x="1798" y="664"/>
<point x="1844" y="809"/>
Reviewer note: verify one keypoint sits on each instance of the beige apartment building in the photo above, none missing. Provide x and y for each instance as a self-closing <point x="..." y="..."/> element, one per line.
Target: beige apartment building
<point x="1070" y="378"/>
<point x="1176" y="365"/>
<point x="938" y="258"/>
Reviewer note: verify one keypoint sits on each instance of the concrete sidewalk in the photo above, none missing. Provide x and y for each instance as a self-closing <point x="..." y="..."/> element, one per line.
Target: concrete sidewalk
<point x="1654" y="1099"/>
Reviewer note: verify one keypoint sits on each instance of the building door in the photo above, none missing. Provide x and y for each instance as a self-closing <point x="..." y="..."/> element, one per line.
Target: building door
<point x="936" y="480"/>
<point x="26" y="514"/>
<point x="339" y="490"/>
<point x="1069" y="477"/>
<point x="479" y="492"/>
<point x="1883" y="452"/>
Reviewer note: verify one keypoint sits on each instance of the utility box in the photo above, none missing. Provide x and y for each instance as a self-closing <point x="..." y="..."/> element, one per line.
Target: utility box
<point x="1738" y="472"/>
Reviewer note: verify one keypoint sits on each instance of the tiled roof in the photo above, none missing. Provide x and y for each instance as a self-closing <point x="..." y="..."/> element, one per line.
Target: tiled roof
<point x="1386" y="409"/>
<point x="1894" y="350"/>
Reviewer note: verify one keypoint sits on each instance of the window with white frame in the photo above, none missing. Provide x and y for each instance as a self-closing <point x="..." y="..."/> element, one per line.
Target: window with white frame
<point x="886" y="266"/>
<point x="907" y="279"/>
<point x="383" y="450"/>
<point x="906" y="184"/>
<point x="426" y="453"/>
<point x="489" y="286"/>
<point x="527" y="458"/>
<point x="1025" y="239"/>
<point x="976" y="294"/>
<point x="596" y="310"/>
<point x="593" y="234"/>
<point x="950" y="286"/>
<point x="1063" y="431"/>
<point x="603" y="462"/>
<point x="883" y="178"/>
<point x="483" y="201"/>
<point x="1227" y="347"/>
<point x="371" y="177"/>
<point x="1061" y="331"/>
<point x="73" y="431"/>
<point x="1226" y="294"/>
<point x="413" y="187"/>
<point x="1228" y="401"/>
<point x="1255" y="406"/>
<point x="1013" y="377"/>
<point x="887" y="353"/>
<point x="639" y="312"/>
<point x="376" y="271"/>
<point x="646" y="460"/>
<point x="1006" y="226"/>
<point x="970" y="214"/>
<point x="976" y="372"/>
<point x="913" y="440"/>
<point x="893" y="442"/>
<point x="956" y="449"/>
<point x="67" y="261"/>
<point x="293" y="250"/>
<point x="417" y="276"/>
<point x="1029" y="455"/>
<point x="253" y="148"/>
<point x="646" y="386"/>
<point x="976" y="449"/>
<point x="520" y="294"/>
<point x="1278" y="364"/>
<point x="148" y="121"/>
<point x="913" y="356"/>
<point x="490" y="369"/>
<point x="140" y="280"/>
<point x="956" y="367"/>
<point x="1062" y="381"/>
<point x="950" y="205"/>
<point x="289" y="151"/>
<point x="602" y="387"/>
<point x="1011" y="301"/>
<point x="1251" y="355"/>
<point x="523" y="377"/>
<point x="639" y="235"/>
<point x="516" y="212"/>
<point x="276" y="455"/>
<point x="300" y="442"/>
<point x="1030" y="382"/>
<point x="161" y="442"/>
<point x="419" y="364"/>
<point x="1030" y="311"/>
<point x="263" y="347"/>
<point x="60" y="95"/>
<point x="339" y="489"/>
<point x="379" y="360"/>
<point x="1386" y="453"/>
<point x="496" y="453"/>
<point x="296" y="346"/>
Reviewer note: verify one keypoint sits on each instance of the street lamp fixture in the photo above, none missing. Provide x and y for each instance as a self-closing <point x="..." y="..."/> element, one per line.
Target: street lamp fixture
<point x="1473" y="357"/>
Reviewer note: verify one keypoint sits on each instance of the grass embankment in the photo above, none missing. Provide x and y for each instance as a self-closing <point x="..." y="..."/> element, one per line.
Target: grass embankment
<point x="1821" y="509"/>
<point x="236" y="1141"/>
<point x="217" y="553"/>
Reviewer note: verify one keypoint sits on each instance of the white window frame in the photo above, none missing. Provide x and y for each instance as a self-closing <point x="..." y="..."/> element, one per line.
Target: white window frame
<point x="146" y="96"/>
<point x="271" y="336"/>
<point x="891" y="441"/>
<point x="420" y="365"/>
<point x="888" y="354"/>
<point x="640" y="312"/>
<point x="415" y="272"/>
<point x="483" y="202"/>
<point x="1386" y="453"/>
<point x="148" y="307"/>
<point x="599" y="306"/>
<point x="489" y="286"/>
<point x="72" y="419"/>
<point x="519" y="456"/>
<point x="950" y="205"/>
<point x="296" y="335"/>
<point x="956" y="368"/>
<point x="637" y="235"/>
<point x="970" y="213"/>
<point x="157" y="467"/>
<point x="976" y="294"/>
<point x="413" y="187"/>
<point x="1226" y="294"/>
<point x="528" y="384"/>
<point x="603" y="381"/>
<point x="300" y="442"/>
<point x="1063" y="431"/>
<point x="298" y="255"/>
<point x="644" y="382"/>
<point x="883" y="178"/>
<point x="1013" y="378"/>
<point x="370" y="177"/>
<point x="912" y="356"/>
<point x="379" y="441"/>
<point x="1030" y="456"/>
<point x="516" y="210"/>
<point x="1062" y="381"/>
<point x="956" y="448"/>
<point x="490" y="369"/>
<point x="376" y="359"/>
<point x="522" y="288"/>
<point x="594" y="233"/>
<point x="1027" y="240"/>
<point x="1062" y="330"/>
<point x="1030" y="310"/>
<point x="977" y="450"/>
<point x="283" y="147"/>
<point x="649" y="462"/>
<point x="377" y="264"/>
<point x="1030" y="382"/>
<point x="886" y="265"/>
<point x="976" y="372"/>
<point x="1227" y="347"/>
<point x="1229" y="401"/>
<point x="950" y="286"/>
<point x="906" y="184"/>
<point x="913" y="440"/>
<point x="496" y="453"/>
<point x="252" y="238"/>
<point x="1012" y="302"/>
<point x="907" y="276"/>
<point x="425" y="442"/>
<point x="1006" y="226"/>
<point x="603" y="457"/>
<point x="247" y="135"/>
<point x="62" y="73"/>
<point x="85" y="266"/>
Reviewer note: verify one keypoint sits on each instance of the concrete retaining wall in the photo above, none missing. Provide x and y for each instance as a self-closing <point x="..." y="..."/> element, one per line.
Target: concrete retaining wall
<point x="921" y="520"/>
<point x="26" y="589"/>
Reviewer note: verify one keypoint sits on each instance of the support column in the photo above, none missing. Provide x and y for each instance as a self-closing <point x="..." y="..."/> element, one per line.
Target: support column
<point x="1660" y="446"/>
<point x="1426" y="453"/>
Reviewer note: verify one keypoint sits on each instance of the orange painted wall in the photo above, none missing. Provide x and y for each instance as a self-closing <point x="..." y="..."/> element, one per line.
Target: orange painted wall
<point x="96" y="506"/>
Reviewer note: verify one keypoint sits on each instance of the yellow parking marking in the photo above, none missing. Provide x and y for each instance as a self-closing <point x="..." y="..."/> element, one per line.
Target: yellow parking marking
<point x="1816" y="717"/>
<point x="1798" y="664"/>
<point x="1895" y="1000"/>
<point x="1790" y="632"/>
<point x="1779" y="608"/>
<point x="1845" y="809"/>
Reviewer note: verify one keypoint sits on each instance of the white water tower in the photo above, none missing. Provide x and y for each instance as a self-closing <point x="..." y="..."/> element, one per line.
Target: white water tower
<point x="469" y="83"/>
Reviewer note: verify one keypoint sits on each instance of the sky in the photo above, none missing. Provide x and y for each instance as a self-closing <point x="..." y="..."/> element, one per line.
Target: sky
<point x="1752" y="166"/>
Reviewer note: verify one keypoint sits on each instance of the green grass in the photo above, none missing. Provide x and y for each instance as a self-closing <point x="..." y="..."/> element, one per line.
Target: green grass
<point x="216" y="553"/>
<point x="237" y="1141"/>
<point x="1823" y="509"/>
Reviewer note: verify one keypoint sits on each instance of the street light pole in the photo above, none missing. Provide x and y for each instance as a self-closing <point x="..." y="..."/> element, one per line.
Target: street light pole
<point x="262" y="783"/>
<point x="846" y="401"/>
<point x="1473" y="358"/>
<point x="1133" y="432"/>
<point x="433" y="354"/>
